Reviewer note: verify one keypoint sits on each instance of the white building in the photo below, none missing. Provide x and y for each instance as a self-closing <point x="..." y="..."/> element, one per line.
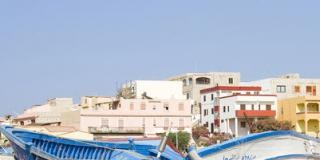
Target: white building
<point x="153" y="89"/>
<point x="231" y="109"/>
<point x="194" y="82"/>
<point x="288" y="86"/>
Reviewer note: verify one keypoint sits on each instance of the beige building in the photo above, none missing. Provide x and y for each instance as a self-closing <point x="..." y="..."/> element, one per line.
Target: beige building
<point x="289" y="85"/>
<point x="144" y="117"/>
<point x="51" y="113"/>
<point x="303" y="112"/>
<point x="194" y="82"/>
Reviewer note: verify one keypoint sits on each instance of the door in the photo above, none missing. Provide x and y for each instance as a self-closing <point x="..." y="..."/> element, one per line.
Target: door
<point x="212" y="129"/>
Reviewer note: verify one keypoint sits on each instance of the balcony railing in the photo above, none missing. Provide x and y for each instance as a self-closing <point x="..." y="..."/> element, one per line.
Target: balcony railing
<point x="97" y="130"/>
<point x="255" y="113"/>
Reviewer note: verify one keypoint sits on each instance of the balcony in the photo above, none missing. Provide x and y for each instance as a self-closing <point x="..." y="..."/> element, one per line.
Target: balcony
<point x="255" y="113"/>
<point x="111" y="130"/>
<point x="308" y="115"/>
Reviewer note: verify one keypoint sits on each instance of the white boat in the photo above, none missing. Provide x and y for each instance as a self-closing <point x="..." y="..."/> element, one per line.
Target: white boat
<point x="272" y="145"/>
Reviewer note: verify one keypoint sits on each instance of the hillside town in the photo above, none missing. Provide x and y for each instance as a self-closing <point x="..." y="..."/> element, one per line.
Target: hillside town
<point x="218" y="101"/>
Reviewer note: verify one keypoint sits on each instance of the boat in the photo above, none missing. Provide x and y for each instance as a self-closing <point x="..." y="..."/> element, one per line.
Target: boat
<point x="28" y="145"/>
<point x="271" y="145"/>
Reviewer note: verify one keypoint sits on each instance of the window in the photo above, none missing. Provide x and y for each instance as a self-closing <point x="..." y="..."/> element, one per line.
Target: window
<point x="184" y="82"/>
<point x="224" y="108"/>
<point x="166" y="123"/>
<point x="248" y="93"/>
<point x="230" y="80"/>
<point x="188" y="95"/>
<point x="202" y="80"/>
<point x="308" y="89"/>
<point x="205" y="112"/>
<point x="296" y="89"/>
<point x="120" y="124"/>
<point x="154" y="122"/>
<point x="242" y="107"/>
<point x="212" y="110"/>
<point x="204" y="98"/>
<point x="252" y="106"/>
<point x="181" y="124"/>
<point x="143" y="106"/>
<point x="212" y="97"/>
<point x="281" y="89"/>
<point x="243" y="124"/>
<point x="190" y="81"/>
<point x="131" y="106"/>
<point x="228" y="108"/>
<point x="206" y="124"/>
<point x="166" y="106"/>
<point x="181" y="106"/>
<point x="259" y="107"/>
<point x="268" y="107"/>
<point x="104" y="122"/>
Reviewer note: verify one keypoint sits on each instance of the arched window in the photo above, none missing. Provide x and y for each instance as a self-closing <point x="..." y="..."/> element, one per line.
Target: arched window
<point x="203" y="80"/>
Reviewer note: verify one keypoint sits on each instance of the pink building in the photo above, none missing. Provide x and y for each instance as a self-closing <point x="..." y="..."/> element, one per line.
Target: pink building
<point x="145" y="117"/>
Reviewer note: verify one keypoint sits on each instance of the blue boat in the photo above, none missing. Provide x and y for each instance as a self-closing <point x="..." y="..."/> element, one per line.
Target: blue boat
<point x="29" y="145"/>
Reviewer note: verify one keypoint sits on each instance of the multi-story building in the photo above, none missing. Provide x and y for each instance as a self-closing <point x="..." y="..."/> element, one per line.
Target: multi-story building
<point x="50" y="113"/>
<point x="194" y="82"/>
<point x="289" y="85"/>
<point x="145" y="117"/>
<point x="231" y="109"/>
<point x="144" y="108"/>
<point x="303" y="112"/>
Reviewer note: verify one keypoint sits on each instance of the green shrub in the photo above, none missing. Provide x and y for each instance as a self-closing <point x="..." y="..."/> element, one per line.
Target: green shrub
<point x="270" y="125"/>
<point x="183" y="139"/>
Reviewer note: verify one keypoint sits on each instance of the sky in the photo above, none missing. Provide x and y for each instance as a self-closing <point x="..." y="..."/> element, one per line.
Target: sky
<point x="75" y="48"/>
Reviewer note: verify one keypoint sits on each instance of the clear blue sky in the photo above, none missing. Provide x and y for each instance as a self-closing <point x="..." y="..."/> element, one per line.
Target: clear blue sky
<point x="73" y="48"/>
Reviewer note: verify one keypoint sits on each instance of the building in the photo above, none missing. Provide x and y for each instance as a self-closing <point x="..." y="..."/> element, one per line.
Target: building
<point x="303" y="112"/>
<point x="194" y="82"/>
<point x="289" y="85"/>
<point x="50" y="113"/>
<point x="153" y="89"/>
<point x="230" y="109"/>
<point x="136" y="117"/>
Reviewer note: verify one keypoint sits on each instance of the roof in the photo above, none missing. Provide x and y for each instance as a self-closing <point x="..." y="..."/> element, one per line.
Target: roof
<point x="25" y="117"/>
<point x="251" y="95"/>
<point x="60" y="129"/>
<point x="230" y="88"/>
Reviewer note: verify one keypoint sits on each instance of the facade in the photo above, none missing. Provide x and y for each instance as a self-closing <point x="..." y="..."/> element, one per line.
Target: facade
<point x="47" y="114"/>
<point x="289" y="85"/>
<point x="144" y="117"/>
<point x="303" y="112"/>
<point x="153" y="89"/>
<point x="230" y="109"/>
<point x="194" y="82"/>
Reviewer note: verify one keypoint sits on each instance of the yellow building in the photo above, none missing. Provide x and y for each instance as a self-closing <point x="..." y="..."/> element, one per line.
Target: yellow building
<point x="303" y="112"/>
